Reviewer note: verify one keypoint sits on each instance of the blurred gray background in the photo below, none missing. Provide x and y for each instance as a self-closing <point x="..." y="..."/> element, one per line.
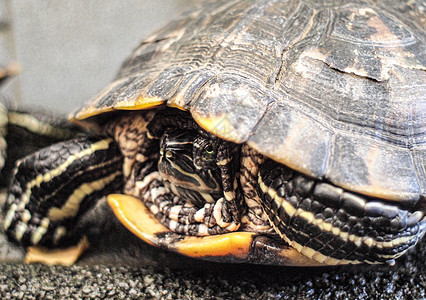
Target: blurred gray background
<point x="69" y="50"/>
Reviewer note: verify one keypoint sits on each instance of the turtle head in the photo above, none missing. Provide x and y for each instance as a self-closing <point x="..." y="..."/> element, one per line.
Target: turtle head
<point x="188" y="162"/>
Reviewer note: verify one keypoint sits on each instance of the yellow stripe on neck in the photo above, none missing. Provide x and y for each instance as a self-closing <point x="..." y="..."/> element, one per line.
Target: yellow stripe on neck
<point x="100" y="145"/>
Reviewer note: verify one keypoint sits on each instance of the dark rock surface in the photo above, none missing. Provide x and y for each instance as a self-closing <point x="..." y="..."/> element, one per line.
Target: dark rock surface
<point x="212" y="281"/>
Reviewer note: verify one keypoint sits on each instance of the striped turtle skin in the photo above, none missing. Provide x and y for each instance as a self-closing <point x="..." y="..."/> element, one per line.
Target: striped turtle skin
<point x="280" y="132"/>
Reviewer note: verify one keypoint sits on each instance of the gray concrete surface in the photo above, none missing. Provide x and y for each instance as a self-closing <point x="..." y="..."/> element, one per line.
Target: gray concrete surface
<point x="69" y="50"/>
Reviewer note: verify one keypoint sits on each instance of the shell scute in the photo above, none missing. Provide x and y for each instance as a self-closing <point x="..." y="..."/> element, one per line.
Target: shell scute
<point x="230" y="106"/>
<point x="296" y="131"/>
<point x="320" y="87"/>
<point x="368" y="42"/>
<point x="357" y="163"/>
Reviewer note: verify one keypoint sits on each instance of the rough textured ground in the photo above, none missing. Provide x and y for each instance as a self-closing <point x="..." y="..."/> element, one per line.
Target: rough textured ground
<point x="406" y="281"/>
<point x="120" y="266"/>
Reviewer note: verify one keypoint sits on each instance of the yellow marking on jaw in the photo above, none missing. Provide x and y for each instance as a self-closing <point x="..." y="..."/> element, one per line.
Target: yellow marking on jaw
<point x="202" y="188"/>
<point x="207" y="197"/>
<point x="229" y="195"/>
<point x="72" y="204"/>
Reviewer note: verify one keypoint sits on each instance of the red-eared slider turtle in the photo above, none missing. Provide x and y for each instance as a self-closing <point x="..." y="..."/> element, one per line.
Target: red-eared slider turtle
<point x="284" y="132"/>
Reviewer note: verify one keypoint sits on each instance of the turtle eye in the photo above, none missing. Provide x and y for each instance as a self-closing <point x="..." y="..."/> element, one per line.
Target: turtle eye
<point x="208" y="153"/>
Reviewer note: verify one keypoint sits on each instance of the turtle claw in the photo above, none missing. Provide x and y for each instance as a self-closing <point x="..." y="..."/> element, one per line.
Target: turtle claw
<point x="63" y="256"/>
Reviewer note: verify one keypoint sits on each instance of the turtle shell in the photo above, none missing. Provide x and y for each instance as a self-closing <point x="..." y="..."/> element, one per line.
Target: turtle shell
<point x="333" y="89"/>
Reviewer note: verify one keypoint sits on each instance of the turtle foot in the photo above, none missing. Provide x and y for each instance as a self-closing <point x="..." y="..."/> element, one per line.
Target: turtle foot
<point x="64" y="256"/>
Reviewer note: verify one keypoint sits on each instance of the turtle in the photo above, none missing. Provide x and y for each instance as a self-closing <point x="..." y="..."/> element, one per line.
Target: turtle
<point x="260" y="131"/>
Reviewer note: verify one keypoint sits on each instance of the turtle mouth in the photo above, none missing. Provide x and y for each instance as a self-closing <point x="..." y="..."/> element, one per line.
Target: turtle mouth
<point x="184" y="180"/>
<point x="187" y="178"/>
<point x="176" y="163"/>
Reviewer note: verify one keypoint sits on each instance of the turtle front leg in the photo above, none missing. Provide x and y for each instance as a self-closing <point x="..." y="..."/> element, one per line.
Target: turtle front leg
<point x="53" y="187"/>
<point x="332" y="225"/>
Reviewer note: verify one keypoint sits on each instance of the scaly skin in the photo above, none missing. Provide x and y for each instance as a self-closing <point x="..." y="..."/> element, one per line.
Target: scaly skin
<point x="197" y="184"/>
